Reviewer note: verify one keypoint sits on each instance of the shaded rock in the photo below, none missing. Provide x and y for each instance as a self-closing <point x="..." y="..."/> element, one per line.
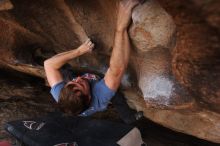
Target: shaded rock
<point x="211" y="11"/>
<point x="199" y="122"/>
<point x="16" y="50"/>
<point x="21" y="98"/>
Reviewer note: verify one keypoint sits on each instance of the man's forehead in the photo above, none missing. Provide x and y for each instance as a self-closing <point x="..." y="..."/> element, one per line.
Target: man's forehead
<point x="72" y="83"/>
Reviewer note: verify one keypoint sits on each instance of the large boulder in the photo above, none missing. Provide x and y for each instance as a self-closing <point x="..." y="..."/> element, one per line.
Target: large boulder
<point x="173" y="75"/>
<point x="152" y="27"/>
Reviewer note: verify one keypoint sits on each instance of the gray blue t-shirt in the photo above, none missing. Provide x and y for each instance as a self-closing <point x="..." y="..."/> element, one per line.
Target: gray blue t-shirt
<point x="101" y="94"/>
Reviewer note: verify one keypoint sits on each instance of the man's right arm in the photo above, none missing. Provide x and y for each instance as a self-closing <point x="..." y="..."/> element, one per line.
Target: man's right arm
<point x="118" y="61"/>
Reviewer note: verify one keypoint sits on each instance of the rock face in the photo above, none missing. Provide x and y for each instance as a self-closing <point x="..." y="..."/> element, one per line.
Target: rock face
<point x="152" y="27"/>
<point x="21" y="98"/>
<point x="174" y="71"/>
<point x="5" y="5"/>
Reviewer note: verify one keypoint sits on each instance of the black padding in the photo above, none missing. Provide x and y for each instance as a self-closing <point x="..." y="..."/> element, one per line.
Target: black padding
<point x="54" y="130"/>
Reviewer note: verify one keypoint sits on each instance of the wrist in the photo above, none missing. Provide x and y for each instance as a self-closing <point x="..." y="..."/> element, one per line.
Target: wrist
<point x="78" y="52"/>
<point x="121" y="29"/>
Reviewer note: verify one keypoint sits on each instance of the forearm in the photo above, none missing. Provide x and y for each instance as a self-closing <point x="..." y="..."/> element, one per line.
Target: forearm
<point x="121" y="52"/>
<point x="53" y="64"/>
<point x="60" y="59"/>
<point x="121" y="49"/>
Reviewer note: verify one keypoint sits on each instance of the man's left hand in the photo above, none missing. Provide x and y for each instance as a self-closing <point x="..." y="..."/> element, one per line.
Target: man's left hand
<point x="86" y="47"/>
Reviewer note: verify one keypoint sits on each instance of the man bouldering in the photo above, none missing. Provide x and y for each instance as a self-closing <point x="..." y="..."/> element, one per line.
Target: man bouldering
<point x="88" y="94"/>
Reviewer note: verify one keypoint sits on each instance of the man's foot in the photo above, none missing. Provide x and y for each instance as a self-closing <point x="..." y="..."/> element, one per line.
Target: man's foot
<point x="133" y="117"/>
<point x="139" y="115"/>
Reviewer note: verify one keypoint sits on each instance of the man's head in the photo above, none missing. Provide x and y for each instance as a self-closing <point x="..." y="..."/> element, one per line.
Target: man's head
<point x="75" y="96"/>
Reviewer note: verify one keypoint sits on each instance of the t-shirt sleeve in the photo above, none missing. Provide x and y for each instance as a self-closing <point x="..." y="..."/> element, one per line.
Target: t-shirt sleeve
<point x="55" y="90"/>
<point x="103" y="94"/>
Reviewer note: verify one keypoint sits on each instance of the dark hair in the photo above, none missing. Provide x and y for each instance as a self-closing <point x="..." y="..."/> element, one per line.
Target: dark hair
<point x="69" y="102"/>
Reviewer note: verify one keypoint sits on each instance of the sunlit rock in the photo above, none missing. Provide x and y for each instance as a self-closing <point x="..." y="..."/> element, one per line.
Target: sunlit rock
<point x="152" y="27"/>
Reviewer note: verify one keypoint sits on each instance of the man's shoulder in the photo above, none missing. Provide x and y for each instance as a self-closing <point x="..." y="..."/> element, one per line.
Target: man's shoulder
<point x="56" y="89"/>
<point x="101" y="93"/>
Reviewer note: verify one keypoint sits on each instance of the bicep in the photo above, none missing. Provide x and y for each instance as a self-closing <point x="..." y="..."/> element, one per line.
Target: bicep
<point x="102" y="94"/>
<point x="53" y="75"/>
<point x="113" y="80"/>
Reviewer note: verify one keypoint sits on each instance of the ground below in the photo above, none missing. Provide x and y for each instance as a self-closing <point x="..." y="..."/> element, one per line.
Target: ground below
<point x="38" y="102"/>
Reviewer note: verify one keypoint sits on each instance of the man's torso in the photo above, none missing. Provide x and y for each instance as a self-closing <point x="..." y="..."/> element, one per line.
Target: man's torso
<point x="101" y="94"/>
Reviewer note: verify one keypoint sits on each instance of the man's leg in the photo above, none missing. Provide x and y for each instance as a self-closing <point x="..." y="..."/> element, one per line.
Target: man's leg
<point x="127" y="114"/>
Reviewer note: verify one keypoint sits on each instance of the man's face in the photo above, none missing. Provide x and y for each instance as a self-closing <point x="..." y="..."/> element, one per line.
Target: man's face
<point x="81" y="86"/>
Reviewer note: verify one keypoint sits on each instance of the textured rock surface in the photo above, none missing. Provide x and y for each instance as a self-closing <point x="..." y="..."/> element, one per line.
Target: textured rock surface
<point x="22" y="98"/>
<point x="152" y="27"/>
<point x="195" y="67"/>
<point x="174" y="72"/>
<point x="211" y="11"/>
<point x="5" y="5"/>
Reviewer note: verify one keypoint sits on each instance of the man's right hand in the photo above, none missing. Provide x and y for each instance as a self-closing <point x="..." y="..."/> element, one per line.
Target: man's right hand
<point x="124" y="13"/>
<point x="86" y="47"/>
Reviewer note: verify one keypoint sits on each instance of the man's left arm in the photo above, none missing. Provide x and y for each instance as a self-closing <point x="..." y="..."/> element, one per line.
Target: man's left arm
<point x="53" y="64"/>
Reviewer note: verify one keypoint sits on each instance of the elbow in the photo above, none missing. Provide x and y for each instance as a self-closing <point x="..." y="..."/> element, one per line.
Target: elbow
<point x="117" y="70"/>
<point x="117" y="67"/>
<point x="47" y="63"/>
<point x="51" y="64"/>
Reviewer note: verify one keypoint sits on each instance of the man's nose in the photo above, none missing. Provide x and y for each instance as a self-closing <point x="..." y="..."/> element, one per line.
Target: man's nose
<point x="78" y="79"/>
